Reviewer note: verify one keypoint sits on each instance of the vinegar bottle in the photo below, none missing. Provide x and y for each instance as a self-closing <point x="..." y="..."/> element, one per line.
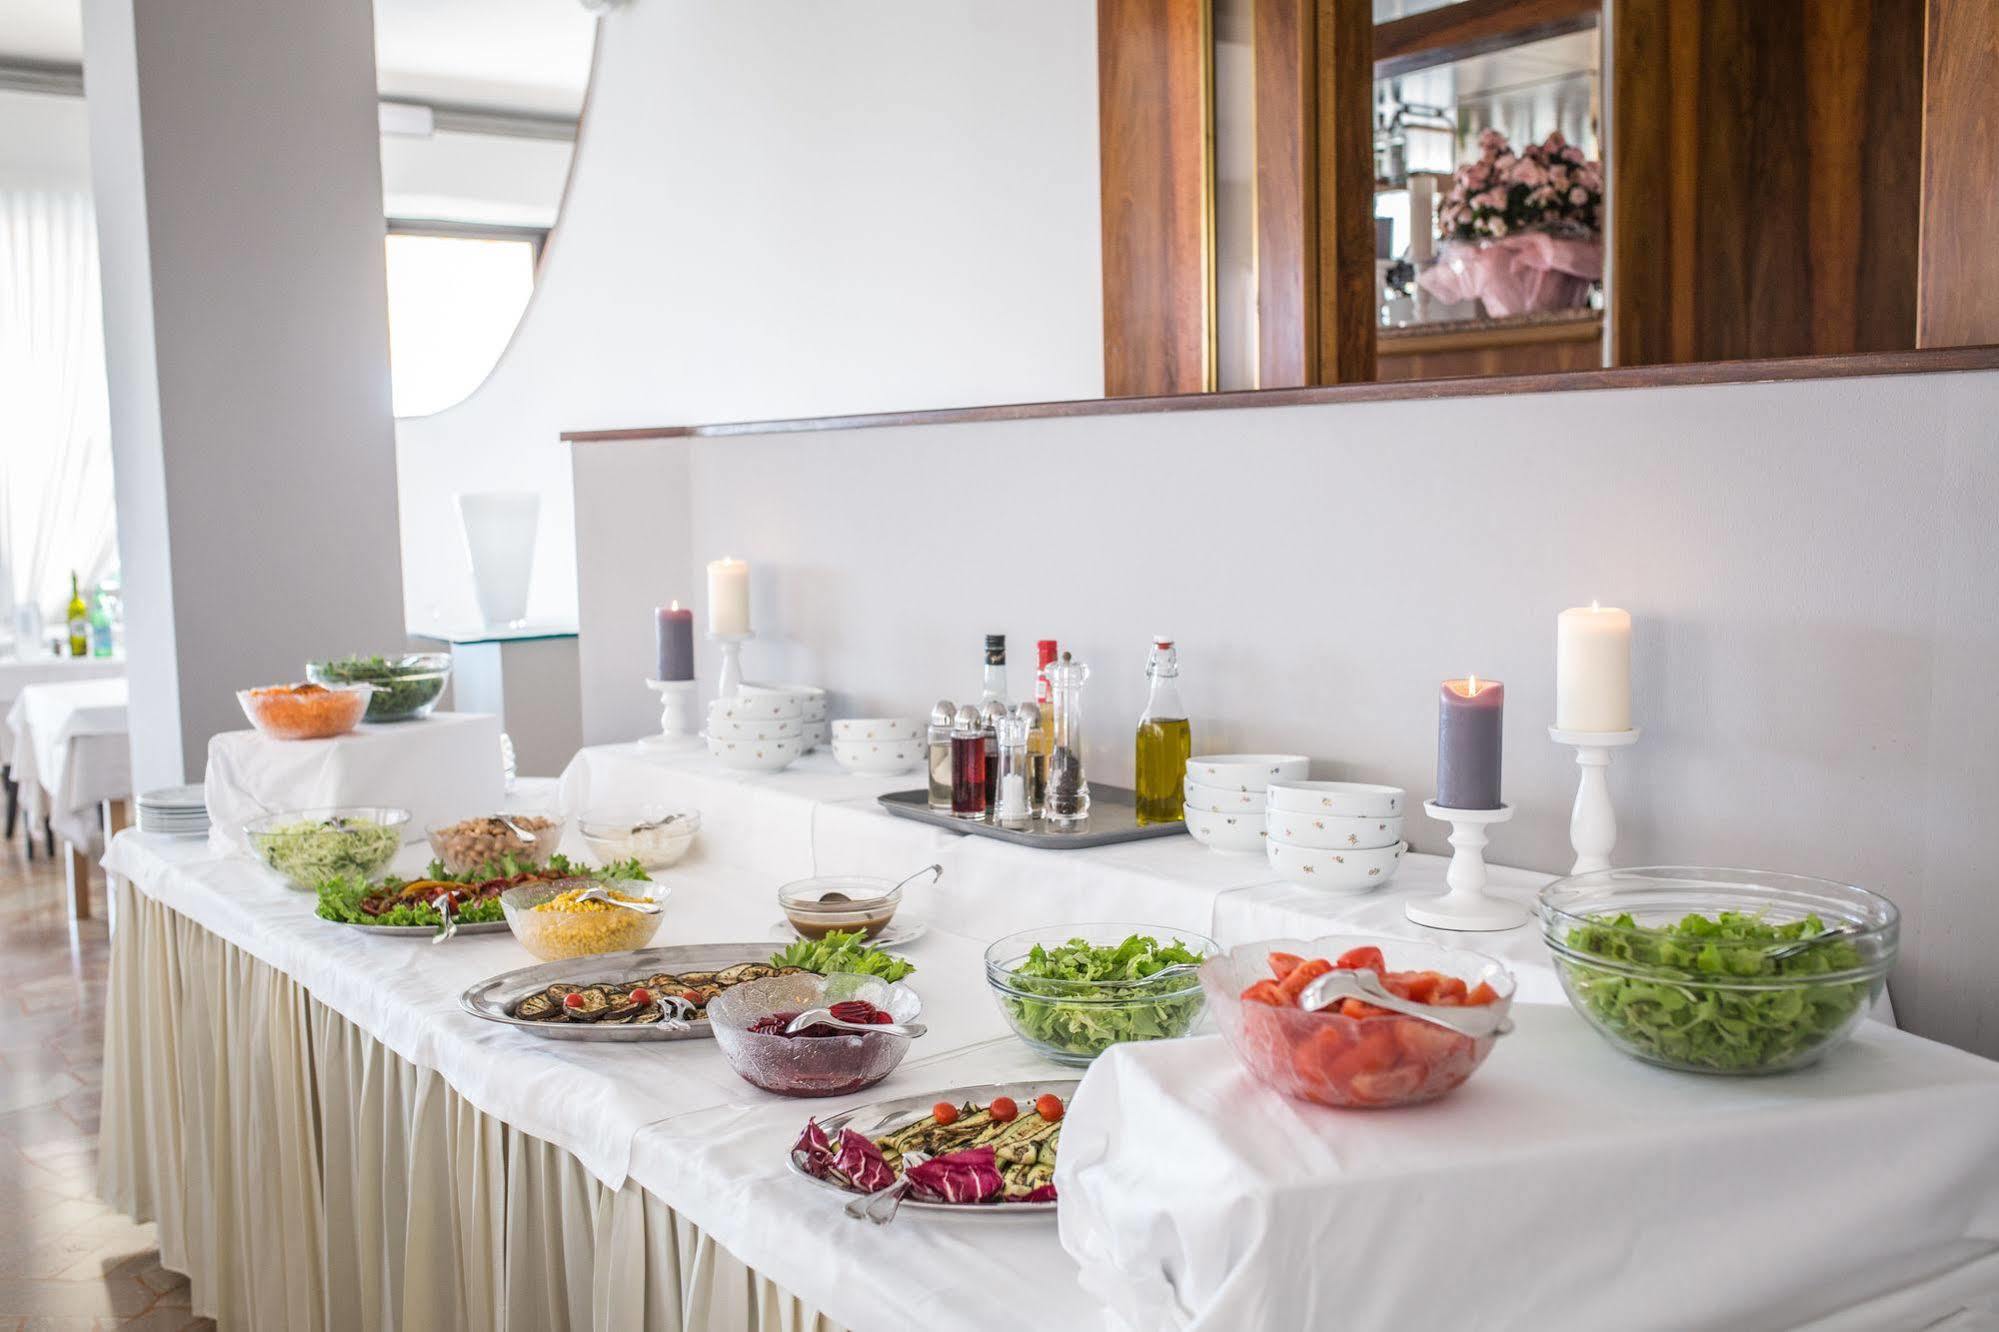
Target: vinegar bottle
<point x="1165" y="740"/>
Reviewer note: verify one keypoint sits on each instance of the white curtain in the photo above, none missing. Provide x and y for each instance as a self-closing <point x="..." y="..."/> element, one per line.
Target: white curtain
<point x="57" y="513"/>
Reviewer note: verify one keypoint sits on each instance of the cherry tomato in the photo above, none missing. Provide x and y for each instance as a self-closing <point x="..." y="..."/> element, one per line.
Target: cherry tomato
<point x="642" y="995"/>
<point x="691" y="997"/>
<point x="1003" y="1109"/>
<point x="572" y="1001"/>
<point x="1048" y="1106"/>
<point x="944" y="1112"/>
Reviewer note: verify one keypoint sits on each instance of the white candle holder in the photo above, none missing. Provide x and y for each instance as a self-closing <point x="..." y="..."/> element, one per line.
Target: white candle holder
<point x="1467" y="906"/>
<point x="729" y="682"/>
<point x="677" y="728"/>
<point x="1593" y="821"/>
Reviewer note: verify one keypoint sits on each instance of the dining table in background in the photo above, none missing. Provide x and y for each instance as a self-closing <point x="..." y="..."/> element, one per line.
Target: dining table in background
<point x="71" y="759"/>
<point x="16" y="674"/>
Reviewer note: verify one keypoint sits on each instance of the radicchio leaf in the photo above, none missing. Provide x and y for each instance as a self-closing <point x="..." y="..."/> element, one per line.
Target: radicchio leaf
<point x="968" y="1176"/>
<point x="813" y="1152"/>
<point x="860" y="1162"/>
<point x="1045" y="1193"/>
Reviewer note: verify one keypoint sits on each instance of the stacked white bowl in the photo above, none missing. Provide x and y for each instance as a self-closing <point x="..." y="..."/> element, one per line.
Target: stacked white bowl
<point x="812" y="704"/>
<point x="1344" y="837"/>
<point x="756" y="732"/>
<point x="1225" y="796"/>
<point x="877" y="746"/>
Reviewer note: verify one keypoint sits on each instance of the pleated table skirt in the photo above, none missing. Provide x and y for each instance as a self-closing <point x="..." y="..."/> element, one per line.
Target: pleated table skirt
<point x="304" y="1176"/>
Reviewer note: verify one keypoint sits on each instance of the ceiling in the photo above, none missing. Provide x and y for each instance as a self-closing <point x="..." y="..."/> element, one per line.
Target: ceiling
<point x="515" y="55"/>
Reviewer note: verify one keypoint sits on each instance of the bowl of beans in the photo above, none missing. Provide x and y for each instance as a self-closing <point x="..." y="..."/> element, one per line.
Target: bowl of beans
<point x="484" y="844"/>
<point x="553" y="920"/>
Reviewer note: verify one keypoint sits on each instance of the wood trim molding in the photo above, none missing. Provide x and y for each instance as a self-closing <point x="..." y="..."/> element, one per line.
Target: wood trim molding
<point x="1957" y="278"/>
<point x="1349" y="302"/>
<point x="1284" y="44"/>
<point x="1155" y="114"/>
<point x="1803" y="368"/>
<point x="1473" y="27"/>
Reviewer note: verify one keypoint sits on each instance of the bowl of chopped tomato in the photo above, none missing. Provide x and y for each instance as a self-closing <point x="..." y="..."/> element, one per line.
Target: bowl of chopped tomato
<point x="1353" y="1054"/>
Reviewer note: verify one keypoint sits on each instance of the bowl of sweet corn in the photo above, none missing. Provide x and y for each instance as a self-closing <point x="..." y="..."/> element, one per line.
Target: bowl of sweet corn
<point x="557" y="919"/>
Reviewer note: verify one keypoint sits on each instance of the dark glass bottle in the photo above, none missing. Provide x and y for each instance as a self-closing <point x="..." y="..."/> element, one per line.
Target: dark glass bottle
<point x="969" y="798"/>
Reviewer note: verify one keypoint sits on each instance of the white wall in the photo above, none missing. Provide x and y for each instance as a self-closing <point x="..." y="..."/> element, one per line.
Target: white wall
<point x="44" y="142"/>
<point x="1810" y="567"/>
<point x="474" y="178"/>
<point x="247" y="343"/>
<point x="782" y="209"/>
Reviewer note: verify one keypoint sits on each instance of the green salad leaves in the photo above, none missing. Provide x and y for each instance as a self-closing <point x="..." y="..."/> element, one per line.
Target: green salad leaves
<point x="1753" y="1013"/>
<point x="1097" y="995"/>
<point x="845" y="951"/>
<point x="345" y="898"/>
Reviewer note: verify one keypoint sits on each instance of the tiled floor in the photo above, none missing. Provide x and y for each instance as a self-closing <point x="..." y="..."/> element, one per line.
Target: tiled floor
<point x="66" y="1259"/>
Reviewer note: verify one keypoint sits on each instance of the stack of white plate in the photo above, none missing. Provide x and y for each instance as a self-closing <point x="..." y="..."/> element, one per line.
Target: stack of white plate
<point x="756" y="732"/>
<point x="175" y="811"/>
<point x="1341" y="836"/>
<point x="812" y="710"/>
<point x="1225" y="796"/>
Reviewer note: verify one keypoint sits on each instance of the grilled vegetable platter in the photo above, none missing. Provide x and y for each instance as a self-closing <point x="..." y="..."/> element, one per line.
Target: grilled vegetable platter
<point x="399" y="906"/>
<point x="648" y="995"/>
<point x="990" y="1148"/>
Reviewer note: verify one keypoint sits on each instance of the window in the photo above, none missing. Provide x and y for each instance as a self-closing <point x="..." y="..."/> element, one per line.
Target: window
<point x="455" y="295"/>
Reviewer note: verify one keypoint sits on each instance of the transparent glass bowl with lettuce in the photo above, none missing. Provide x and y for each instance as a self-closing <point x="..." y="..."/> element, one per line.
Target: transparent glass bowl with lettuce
<point x="1073" y="991"/>
<point x="1719" y="970"/>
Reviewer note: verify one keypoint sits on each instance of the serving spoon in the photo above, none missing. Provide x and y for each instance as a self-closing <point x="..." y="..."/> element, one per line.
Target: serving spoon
<point x="866" y="1204"/>
<point x="600" y="895"/>
<point x="812" y="1017"/>
<point x="1363" y="984"/>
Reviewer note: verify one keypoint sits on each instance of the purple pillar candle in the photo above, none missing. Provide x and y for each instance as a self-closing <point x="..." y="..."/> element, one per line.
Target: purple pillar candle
<point x="1468" y="726"/>
<point x="676" y="642"/>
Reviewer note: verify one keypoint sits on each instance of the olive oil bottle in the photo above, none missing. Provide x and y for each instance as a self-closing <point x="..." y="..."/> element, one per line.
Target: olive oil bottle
<point x="1165" y="740"/>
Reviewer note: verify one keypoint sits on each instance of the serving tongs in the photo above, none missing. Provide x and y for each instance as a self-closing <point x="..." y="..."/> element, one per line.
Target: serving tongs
<point x="1479" y="1023"/>
<point x="816" y="1016"/>
<point x="450" y="925"/>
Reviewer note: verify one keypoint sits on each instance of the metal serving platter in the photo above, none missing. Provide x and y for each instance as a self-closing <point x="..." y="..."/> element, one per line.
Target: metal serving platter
<point x="421" y="931"/>
<point x="878" y="1118"/>
<point x="493" y="999"/>
<point x="1113" y="818"/>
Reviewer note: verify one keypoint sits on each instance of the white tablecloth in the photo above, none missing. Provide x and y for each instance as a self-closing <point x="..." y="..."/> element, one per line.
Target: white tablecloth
<point x="1565" y="1184"/>
<point x="672" y="1125"/>
<point x="72" y="751"/>
<point x="17" y="673"/>
<point x="444" y="766"/>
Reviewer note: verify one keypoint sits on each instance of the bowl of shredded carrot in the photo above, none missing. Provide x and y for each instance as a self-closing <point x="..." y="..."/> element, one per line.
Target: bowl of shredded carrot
<point x="305" y="711"/>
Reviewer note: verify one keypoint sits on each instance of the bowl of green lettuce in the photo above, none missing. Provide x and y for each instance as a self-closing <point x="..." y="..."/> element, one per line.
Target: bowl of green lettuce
<point x="1073" y="991"/>
<point x="1719" y="970"/>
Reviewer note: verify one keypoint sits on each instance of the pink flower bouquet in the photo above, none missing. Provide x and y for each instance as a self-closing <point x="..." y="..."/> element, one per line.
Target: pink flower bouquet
<point x="1521" y="230"/>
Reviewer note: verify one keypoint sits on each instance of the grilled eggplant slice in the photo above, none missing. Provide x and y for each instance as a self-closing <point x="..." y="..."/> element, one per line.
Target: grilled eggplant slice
<point x="539" y="1007"/>
<point x="692" y="980"/>
<point x="744" y="971"/>
<point x="592" y="1003"/>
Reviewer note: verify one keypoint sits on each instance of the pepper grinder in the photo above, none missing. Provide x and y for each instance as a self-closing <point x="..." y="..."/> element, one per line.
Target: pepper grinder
<point x="1068" y="790"/>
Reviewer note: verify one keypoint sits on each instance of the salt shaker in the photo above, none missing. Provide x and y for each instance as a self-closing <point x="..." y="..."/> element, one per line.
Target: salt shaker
<point x="1037" y="757"/>
<point x="941" y="718"/>
<point x="1068" y="791"/>
<point x="1010" y="806"/>
<point x="991" y="712"/>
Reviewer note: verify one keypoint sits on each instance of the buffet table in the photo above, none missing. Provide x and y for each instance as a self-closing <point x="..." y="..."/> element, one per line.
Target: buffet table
<point x="327" y="1140"/>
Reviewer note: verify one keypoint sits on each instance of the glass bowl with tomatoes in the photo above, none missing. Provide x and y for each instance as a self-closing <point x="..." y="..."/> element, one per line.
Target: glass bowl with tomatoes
<point x="1353" y="1054"/>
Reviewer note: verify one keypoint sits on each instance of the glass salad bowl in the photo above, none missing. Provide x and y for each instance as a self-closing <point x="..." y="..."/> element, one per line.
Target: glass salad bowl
<point x="309" y="847"/>
<point x="1331" y="1059"/>
<point x="406" y="685"/>
<point x="1073" y="991"/>
<point x="825" y="1065"/>
<point x="550" y="923"/>
<point x="1719" y="970"/>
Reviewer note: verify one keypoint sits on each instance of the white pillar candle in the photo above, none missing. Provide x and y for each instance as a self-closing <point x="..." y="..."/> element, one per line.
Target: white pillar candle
<point x="1593" y="669"/>
<point x="728" y="597"/>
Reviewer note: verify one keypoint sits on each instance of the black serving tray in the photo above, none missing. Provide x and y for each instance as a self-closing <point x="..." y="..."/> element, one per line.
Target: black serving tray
<point x="1113" y="818"/>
